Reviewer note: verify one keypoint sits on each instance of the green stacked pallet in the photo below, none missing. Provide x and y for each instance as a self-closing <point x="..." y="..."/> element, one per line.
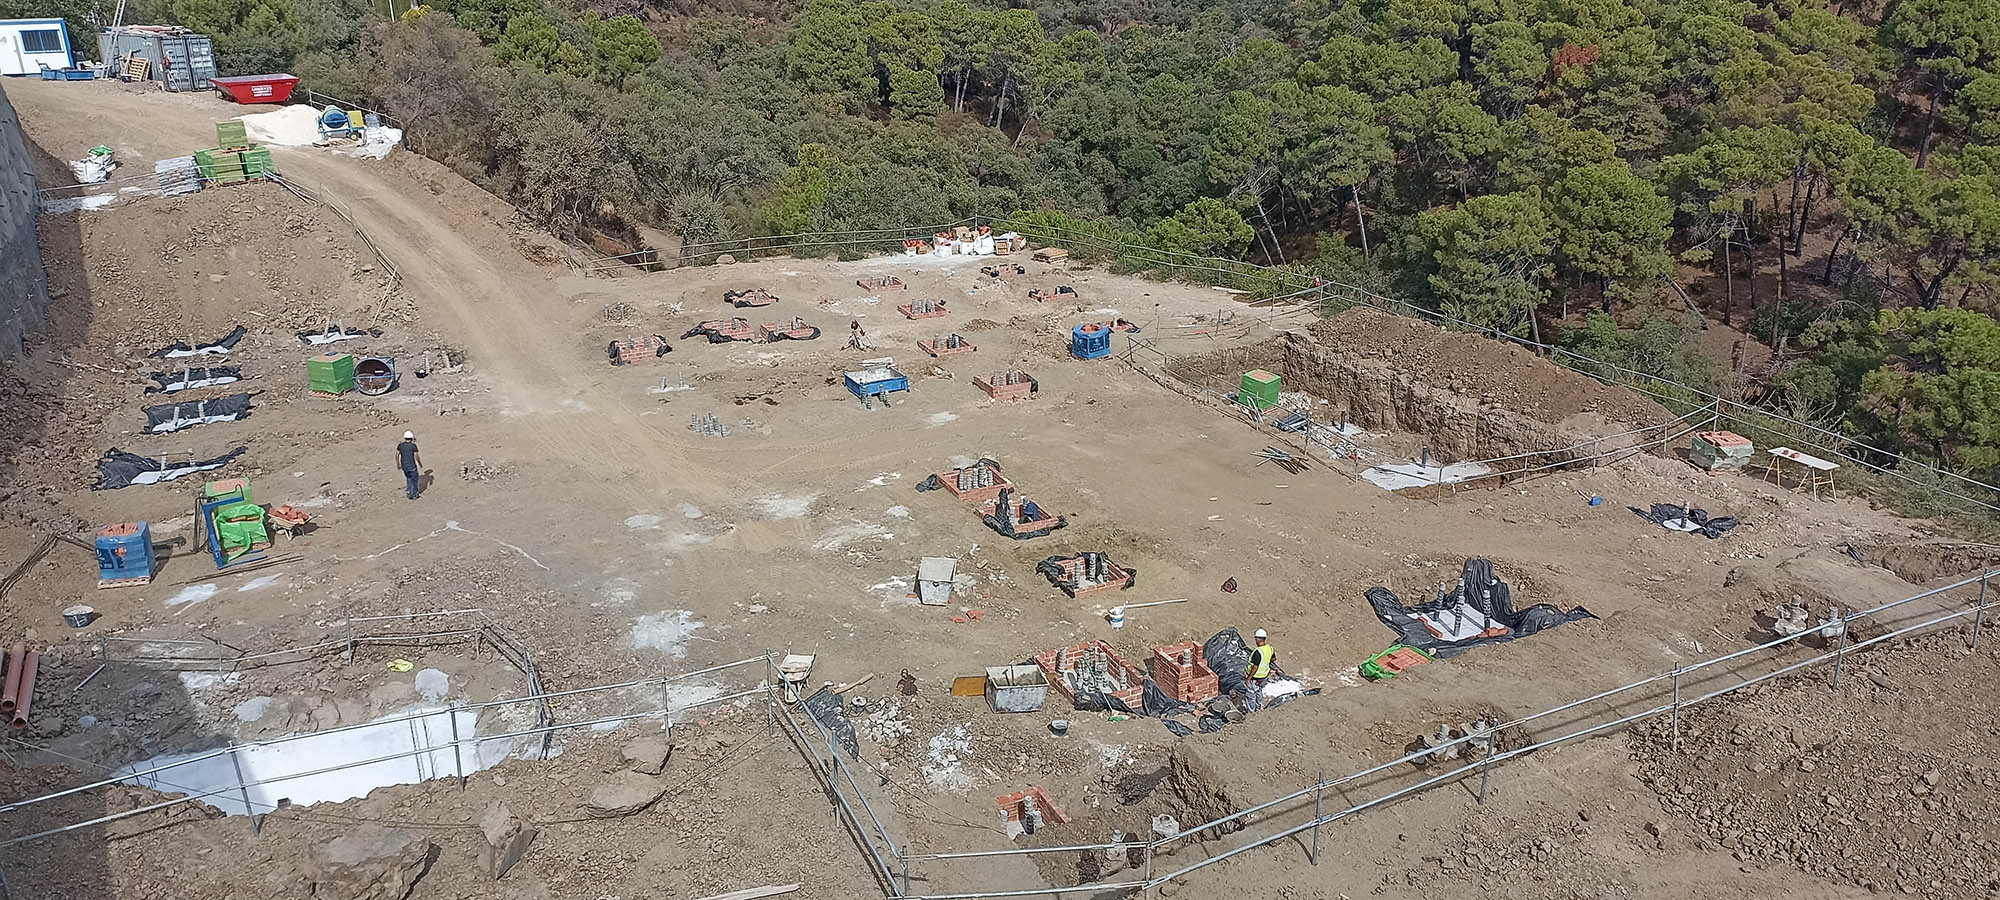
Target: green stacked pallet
<point x="257" y="162"/>
<point x="224" y="166"/>
<point x="1259" y="389"/>
<point x="330" y="373"/>
<point x="231" y="135"/>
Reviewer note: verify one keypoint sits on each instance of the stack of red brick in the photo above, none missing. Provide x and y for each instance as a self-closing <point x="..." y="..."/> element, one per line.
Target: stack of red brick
<point x="640" y="349"/>
<point x="1181" y="670"/>
<point x="1013" y="384"/>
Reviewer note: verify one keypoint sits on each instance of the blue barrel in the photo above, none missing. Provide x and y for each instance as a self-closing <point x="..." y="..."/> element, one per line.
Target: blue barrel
<point x="1091" y="340"/>
<point x="125" y="552"/>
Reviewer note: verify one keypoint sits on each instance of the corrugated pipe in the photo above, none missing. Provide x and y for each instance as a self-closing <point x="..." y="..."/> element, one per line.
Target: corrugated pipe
<point x="11" y="689"/>
<point x="24" y="695"/>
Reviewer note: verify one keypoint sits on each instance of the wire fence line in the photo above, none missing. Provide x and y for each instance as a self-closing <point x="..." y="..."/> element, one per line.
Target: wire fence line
<point x="1328" y="801"/>
<point x="900" y="866"/>
<point x="1331" y="293"/>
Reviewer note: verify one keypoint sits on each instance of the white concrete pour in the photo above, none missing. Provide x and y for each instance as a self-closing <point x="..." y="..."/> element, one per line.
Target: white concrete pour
<point x="1397" y="476"/>
<point x="667" y="632"/>
<point x="427" y="739"/>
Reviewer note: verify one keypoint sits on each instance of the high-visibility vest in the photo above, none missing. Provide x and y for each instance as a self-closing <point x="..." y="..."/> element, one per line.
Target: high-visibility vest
<point x="1260" y="661"/>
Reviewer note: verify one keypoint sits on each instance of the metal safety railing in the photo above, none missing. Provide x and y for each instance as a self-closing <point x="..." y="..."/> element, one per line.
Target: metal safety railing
<point x="899" y="865"/>
<point x="1667" y="694"/>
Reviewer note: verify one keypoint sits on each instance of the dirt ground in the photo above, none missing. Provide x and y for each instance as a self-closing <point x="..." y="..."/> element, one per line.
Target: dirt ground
<point x="569" y="501"/>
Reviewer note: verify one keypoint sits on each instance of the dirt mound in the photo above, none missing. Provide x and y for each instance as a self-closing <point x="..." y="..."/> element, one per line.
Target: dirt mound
<point x="1922" y="561"/>
<point x="1892" y="792"/>
<point x="1476" y="366"/>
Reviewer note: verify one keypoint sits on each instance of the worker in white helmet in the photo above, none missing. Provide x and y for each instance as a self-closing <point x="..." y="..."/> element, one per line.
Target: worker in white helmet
<point x="410" y="461"/>
<point x="1263" y="658"/>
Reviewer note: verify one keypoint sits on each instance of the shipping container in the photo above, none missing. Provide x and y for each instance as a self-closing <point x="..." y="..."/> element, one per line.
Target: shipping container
<point x="176" y="57"/>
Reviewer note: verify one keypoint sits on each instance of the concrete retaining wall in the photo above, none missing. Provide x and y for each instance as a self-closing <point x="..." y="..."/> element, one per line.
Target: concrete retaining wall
<point x="24" y="288"/>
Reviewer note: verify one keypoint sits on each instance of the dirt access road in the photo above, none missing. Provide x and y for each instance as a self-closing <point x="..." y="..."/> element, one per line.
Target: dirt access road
<point x="618" y="545"/>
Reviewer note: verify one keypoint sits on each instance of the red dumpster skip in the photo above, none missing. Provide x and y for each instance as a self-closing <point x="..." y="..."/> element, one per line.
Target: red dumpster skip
<point x="257" y="88"/>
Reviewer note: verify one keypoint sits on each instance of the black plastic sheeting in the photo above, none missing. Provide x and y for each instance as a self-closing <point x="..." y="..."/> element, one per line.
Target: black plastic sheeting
<point x="220" y="346"/>
<point x="714" y="337"/>
<point x="1031" y="511"/>
<point x="829" y="712"/>
<point x="1479" y="588"/>
<point x="187" y="379"/>
<point x="162" y="418"/>
<point x="1153" y="702"/>
<point x="1687" y="518"/>
<point x="811" y="335"/>
<point x="1051" y="568"/>
<point x="117" y="469"/>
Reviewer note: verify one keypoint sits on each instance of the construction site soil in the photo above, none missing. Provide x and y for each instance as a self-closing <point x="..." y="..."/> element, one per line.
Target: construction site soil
<point x="569" y="502"/>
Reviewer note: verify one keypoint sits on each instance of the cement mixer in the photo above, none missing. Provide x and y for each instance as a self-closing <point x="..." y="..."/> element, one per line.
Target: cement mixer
<point x="336" y="123"/>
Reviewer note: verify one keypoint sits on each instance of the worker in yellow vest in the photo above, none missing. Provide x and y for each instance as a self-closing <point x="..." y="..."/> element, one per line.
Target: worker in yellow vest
<point x="1262" y="658"/>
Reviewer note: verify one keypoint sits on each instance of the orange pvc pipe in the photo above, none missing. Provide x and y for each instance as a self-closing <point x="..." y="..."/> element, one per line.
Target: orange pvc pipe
<point x="24" y="696"/>
<point x="11" y="688"/>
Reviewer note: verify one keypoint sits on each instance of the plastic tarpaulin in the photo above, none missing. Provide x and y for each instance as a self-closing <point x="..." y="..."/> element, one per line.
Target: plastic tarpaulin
<point x="1478" y="610"/>
<point x="189" y="379"/>
<point x="218" y="347"/>
<point x="333" y="334"/>
<point x="1686" y="518"/>
<point x="1152" y="701"/>
<point x="117" y="469"/>
<point x="176" y="416"/>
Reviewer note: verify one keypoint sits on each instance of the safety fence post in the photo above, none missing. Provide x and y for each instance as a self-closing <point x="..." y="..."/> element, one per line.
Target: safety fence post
<point x="243" y="791"/>
<point x="1840" y="653"/>
<point x="1151" y="890"/>
<point x="1675" y="715"/>
<point x="457" y="759"/>
<point x="1486" y="765"/>
<point x="1318" y="787"/>
<point x="906" y="871"/>
<point x="1979" y="610"/>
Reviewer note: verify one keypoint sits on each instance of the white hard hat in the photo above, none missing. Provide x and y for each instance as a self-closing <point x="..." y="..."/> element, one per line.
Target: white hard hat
<point x="1260" y="633"/>
<point x="409" y="435"/>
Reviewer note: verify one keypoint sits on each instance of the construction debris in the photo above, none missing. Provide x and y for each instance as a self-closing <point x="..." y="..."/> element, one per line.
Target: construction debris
<point x="1290" y="463"/>
<point x="750" y="299"/>
<point x="1086" y="573"/>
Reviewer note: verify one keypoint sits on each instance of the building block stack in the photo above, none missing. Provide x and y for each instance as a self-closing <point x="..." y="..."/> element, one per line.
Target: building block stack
<point x="234" y="159"/>
<point x="1259" y="389"/>
<point x="124" y="555"/>
<point x="179" y="175"/>
<point x="330" y="374"/>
